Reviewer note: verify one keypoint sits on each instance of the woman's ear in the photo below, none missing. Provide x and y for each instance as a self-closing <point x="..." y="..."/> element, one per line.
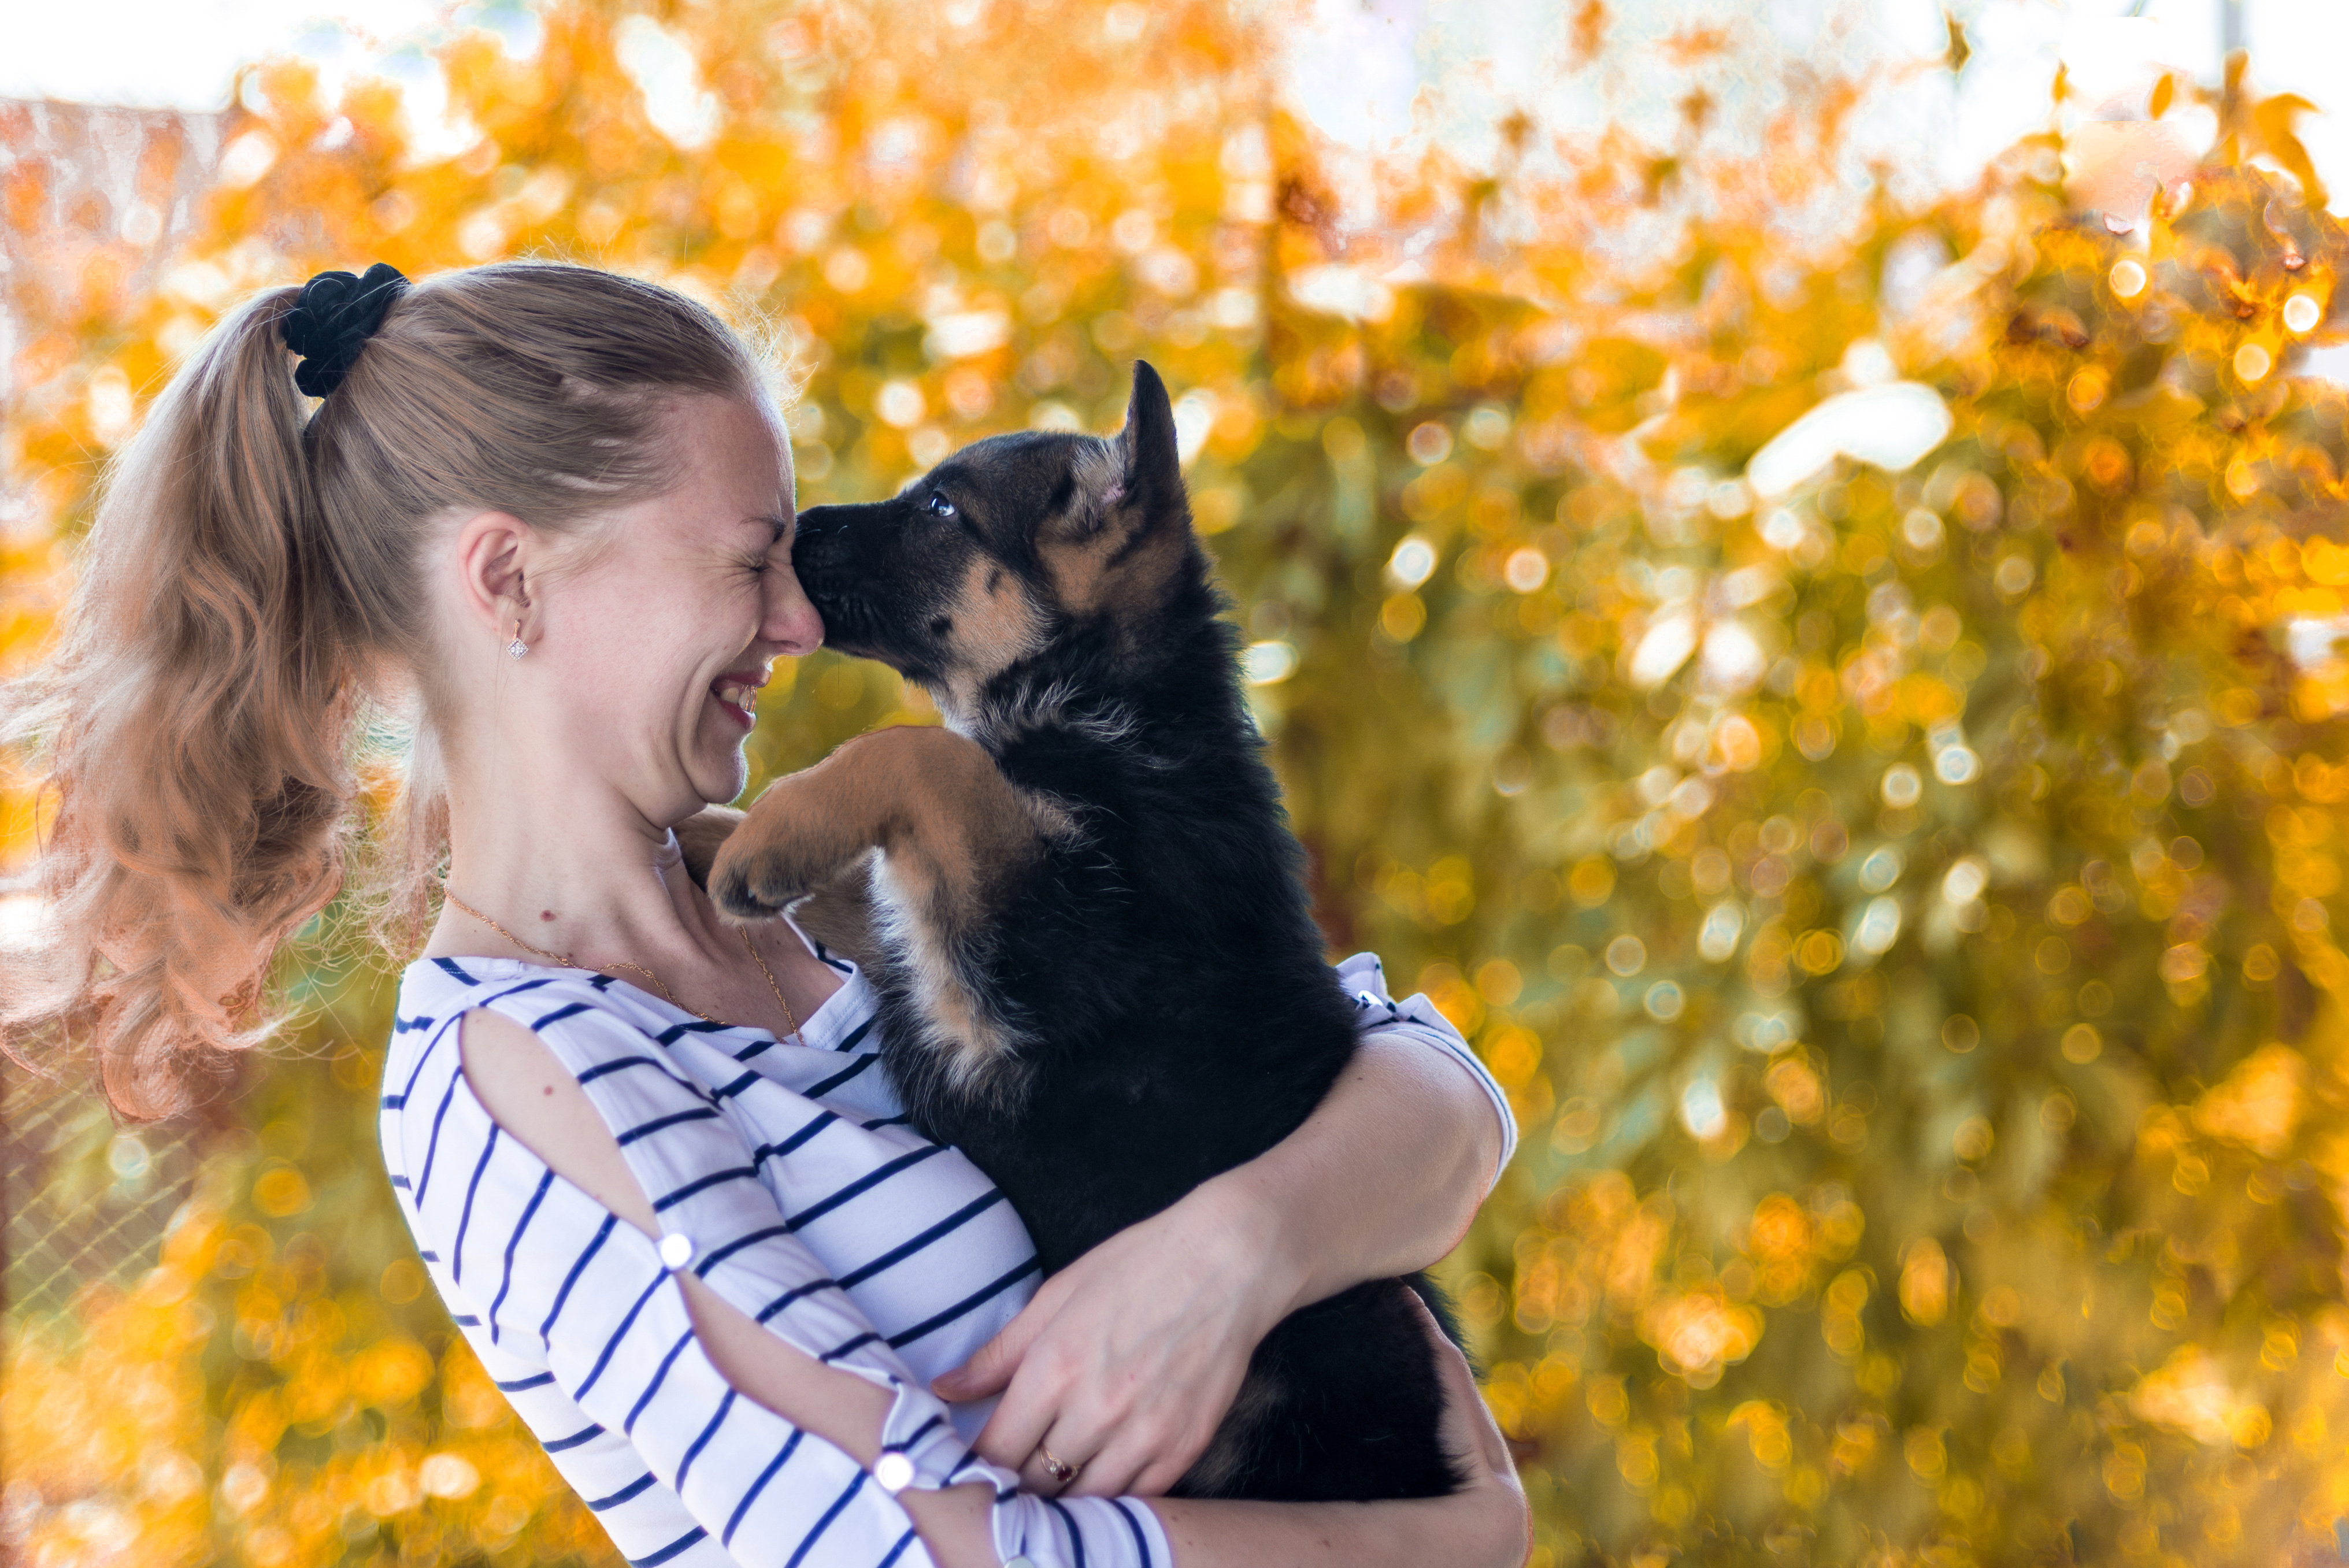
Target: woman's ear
<point x="497" y="554"/>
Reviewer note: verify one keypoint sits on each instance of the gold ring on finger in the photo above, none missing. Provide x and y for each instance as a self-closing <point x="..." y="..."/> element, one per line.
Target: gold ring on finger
<point x="1059" y="1468"/>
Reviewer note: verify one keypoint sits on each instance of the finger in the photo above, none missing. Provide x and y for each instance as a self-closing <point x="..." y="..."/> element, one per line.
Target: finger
<point x="1158" y="1461"/>
<point x="1109" y="1474"/>
<point x="989" y="1371"/>
<point x="1061" y="1445"/>
<point x="1158" y="1478"/>
<point x="1012" y="1432"/>
<point x="1468" y="1424"/>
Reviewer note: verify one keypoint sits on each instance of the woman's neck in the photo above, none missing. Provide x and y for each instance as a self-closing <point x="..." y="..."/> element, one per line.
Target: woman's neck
<point x="579" y="876"/>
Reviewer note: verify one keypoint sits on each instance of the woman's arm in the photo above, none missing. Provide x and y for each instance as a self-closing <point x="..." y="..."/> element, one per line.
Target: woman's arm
<point x="537" y="1101"/>
<point x="1126" y="1361"/>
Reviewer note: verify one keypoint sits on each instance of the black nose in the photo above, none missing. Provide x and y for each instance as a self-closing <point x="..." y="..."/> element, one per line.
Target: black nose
<point x="821" y="540"/>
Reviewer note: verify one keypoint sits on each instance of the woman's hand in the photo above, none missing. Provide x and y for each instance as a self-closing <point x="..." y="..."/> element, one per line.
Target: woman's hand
<point x="1496" y="1526"/>
<point x="1126" y="1361"/>
<point x="1485" y="1524"/>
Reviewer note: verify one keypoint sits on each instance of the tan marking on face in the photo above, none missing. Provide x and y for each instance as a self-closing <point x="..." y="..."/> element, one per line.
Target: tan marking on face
<point x="995" y="625"/>
<point x="1079" y="568"/>
<point x="1078" y="546"/>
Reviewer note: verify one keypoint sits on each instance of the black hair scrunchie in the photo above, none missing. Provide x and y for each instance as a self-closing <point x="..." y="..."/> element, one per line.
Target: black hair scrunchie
<point x="332" y="319"/>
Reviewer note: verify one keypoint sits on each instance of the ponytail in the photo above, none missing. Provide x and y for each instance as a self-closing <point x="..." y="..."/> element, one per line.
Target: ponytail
<point x="195" y="725"/>
<point x="249" y="559"/>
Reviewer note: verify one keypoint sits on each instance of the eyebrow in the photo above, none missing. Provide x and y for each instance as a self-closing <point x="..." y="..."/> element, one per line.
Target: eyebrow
<point x="774" y="520"/>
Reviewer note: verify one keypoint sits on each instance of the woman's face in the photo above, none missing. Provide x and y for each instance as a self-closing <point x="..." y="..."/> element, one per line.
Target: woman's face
<point x="653" y="649"/>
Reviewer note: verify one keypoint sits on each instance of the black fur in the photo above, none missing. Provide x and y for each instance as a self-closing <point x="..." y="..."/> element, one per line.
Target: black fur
<point x="1159" y="961"/>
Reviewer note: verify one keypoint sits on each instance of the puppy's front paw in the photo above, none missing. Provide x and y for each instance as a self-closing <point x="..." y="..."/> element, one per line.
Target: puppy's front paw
<point x="774" y="859"/>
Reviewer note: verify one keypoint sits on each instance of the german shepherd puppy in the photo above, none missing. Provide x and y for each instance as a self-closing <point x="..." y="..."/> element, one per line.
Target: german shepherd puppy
<point x="1097" y="971"/>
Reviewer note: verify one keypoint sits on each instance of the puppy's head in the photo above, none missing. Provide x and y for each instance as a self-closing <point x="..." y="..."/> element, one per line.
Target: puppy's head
<point x="1004" y="547"/>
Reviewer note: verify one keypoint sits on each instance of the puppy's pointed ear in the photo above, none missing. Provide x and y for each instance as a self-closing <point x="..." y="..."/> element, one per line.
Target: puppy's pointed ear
<point x="1152" y="460"/>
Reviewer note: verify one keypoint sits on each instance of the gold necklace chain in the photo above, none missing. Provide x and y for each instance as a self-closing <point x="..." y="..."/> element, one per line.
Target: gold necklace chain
<point x="564" y="961"/>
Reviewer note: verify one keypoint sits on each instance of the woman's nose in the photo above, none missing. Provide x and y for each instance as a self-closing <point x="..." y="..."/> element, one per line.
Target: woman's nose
<point x="791" y="622"/>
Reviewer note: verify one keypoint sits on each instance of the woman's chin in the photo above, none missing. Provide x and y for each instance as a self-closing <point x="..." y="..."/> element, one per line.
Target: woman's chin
<point x="721" y="770"/>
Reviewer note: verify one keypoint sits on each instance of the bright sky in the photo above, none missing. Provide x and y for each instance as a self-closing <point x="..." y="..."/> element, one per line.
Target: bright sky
<point x="1358" y="66"/>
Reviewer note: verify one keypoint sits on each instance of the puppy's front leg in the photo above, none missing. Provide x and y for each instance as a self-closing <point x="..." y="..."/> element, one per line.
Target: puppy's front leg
<point x="933" y="802"/>
<point x="700" y="835"/>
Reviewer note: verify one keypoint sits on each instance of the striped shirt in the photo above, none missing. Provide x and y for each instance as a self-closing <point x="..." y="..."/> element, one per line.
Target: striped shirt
<point x="784" y="1175"/>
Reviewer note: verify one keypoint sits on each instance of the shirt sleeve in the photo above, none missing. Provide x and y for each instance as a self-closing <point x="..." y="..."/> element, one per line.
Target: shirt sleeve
<point x="1415" y="1020"/>
<point x="605" y="1301"/>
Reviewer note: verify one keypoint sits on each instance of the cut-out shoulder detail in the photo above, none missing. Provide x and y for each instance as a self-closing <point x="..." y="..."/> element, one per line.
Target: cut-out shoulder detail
<point x="532" y="1096"/>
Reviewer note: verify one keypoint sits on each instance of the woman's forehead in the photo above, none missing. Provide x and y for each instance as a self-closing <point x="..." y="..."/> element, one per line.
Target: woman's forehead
<point x="737" y="462"/>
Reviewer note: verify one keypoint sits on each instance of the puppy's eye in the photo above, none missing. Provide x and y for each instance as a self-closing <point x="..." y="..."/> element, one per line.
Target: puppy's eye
<point x="940" y="506"/>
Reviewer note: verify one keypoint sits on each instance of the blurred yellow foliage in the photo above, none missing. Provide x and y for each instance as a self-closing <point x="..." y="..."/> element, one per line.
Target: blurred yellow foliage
<point x="1897" y="895"/>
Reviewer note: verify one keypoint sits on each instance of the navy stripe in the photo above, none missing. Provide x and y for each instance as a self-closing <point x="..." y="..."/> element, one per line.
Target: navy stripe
<point x="613" y="1344"/>
<point x="898" y="1551"/>
<point x="432" y="1149"/>
<point x="568" y="1010"/>
<point x="671" y="1550"/>
<point x="714" y="1178"/>
<point x="505" y="1283"/>
<point x="864" y="1184"/>
<point x="917" y="1434"/>
<point x="728" y="1090"/>
<point x="978" y="1299"/>
<point x="699" y="1113"/>
<point x="574" y="1440"/>
<point x="466" y="1320"/>
<point x="899" y="1253"/>
<point x="603" y="1234"/>
<point x="850" y="1041"/>
<point x="516" y="990"/>
<point x="448" y="965"/>
<point x="394" y="1102"/>
<point x="823" y="955"/>
<point x="1076" y="1536"/>
<point x="825" y="1523"/>
<point x="879" y="1121"/>
<point x="743" y="1507"/>
<point x="702" y="1268"/>
<point x="429" y="1256"/>
<point x="676" y="1032"/>
<point x="633" y="1489"/>
<point x="661" y="1375"/>
<point x="400" y="1026"/>
<point x="602" y="1069"/>
<point x="1141" y="1536"/>
<point x="837" y="1351"/>
<point x="465" y="1217"/>
<point x="766" y="1152"/>
<point x="818" y="1091"/>
<point x="422" y="1057"/>
<point x="535" y="1381"/>
<point x="399" y="1182"/>
<point x="795" y="1294"/>
<point x="684" y="1466"/>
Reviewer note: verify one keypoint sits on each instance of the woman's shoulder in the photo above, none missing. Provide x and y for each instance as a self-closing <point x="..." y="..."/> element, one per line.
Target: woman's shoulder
<point x="435" y="991"/>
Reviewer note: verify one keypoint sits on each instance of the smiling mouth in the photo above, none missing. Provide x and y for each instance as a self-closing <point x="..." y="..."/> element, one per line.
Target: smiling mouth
<point x="737" y="691"/>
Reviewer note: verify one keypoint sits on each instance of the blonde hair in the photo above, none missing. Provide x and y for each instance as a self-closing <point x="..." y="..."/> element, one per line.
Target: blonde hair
<point x="255" y="570"/>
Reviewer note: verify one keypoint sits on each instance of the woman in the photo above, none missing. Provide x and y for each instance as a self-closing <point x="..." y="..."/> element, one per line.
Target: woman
<point x="684" y="1226"/>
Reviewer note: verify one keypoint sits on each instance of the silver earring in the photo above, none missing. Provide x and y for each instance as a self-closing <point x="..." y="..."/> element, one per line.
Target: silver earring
<point x="517" y="648"/>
